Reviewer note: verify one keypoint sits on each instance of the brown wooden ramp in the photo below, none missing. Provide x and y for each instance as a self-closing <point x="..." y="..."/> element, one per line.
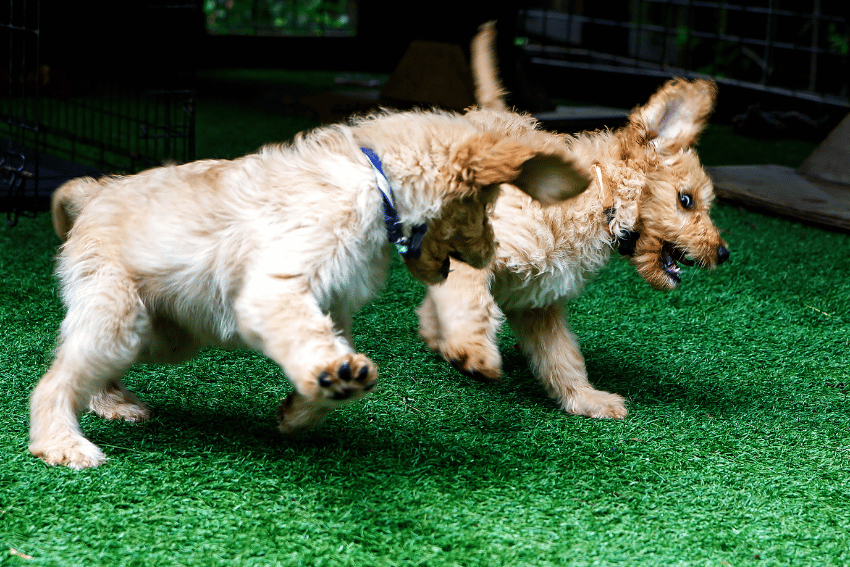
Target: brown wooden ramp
<point x="430" y="74"/>
<point x="818" y="191"/>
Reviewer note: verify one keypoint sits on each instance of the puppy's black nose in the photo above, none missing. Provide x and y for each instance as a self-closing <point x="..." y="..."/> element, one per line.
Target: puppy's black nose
<point x="722" y="254"/>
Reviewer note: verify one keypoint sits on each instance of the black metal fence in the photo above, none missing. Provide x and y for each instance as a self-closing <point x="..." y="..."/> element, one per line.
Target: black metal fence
<point x="791" y="48"/>
<point x="61" y="120"/>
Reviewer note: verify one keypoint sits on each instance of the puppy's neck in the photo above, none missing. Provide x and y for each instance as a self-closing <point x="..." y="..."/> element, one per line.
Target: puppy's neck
<point x="408" y="243"/>
<point x="617" y="192"/>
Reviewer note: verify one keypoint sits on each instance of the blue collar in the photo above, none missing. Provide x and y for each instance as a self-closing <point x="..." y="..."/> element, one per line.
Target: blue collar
<point x="410" y="247"/>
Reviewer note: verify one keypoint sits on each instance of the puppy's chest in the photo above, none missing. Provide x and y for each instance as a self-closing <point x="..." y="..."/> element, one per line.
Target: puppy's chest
<point x="546" y="270"/>
<point x="514" y="289"/>
<point x="352" y="273"/>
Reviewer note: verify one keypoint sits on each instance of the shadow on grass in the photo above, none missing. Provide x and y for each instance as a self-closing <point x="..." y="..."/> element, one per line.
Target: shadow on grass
<point x="642" y="383"/>
<point x="336" y="448"/>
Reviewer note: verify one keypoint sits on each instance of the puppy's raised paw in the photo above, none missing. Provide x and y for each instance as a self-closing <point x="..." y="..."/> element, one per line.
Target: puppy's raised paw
<point x="348" y="378"/>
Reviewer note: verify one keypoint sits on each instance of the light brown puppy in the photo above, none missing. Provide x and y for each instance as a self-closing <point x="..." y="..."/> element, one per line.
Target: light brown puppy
<point x="649" y="197"/>
<point x="274" y="251"/>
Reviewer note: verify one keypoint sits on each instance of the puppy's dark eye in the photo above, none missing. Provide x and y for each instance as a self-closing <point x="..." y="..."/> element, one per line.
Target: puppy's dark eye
<point x="686" y="201"/>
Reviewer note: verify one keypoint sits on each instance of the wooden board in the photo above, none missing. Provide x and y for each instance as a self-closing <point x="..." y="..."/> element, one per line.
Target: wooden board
<point x="431" y="74"/>
<point x="831" y="159"/>
<point x="782" y="190"/>
<point x="571" y="119"/>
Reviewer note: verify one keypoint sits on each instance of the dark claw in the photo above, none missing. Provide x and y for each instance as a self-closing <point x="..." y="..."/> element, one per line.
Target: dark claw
<point x="722" y="254"/>
<point x="368" y="387"/>
<point x="444" y="270"/>
<point x="345" y="372"/>
<point x="324" y="380"/>
<point x="474" y="374"/>
<point x="343" y="395"/>
<point x="284" y="407"/>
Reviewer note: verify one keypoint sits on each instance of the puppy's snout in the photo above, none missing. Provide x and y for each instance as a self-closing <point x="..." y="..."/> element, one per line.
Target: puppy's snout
<point x="722" y="254"/>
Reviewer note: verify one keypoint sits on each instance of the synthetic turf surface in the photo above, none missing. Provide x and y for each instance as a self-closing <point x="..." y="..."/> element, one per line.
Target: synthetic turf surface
<point x="736" y="450"/>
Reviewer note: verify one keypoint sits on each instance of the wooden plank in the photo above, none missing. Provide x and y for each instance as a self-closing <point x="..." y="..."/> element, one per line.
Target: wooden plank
<point x="782" y="190"/>
<point x="431" y="74"/>
<point x="571" y="119"/>
<point x="831" y="159"/>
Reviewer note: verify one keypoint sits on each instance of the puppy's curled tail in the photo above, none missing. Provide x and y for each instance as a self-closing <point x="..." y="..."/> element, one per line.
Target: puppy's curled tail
<point x="489" y="92"/>
<point x="69" y="200"/>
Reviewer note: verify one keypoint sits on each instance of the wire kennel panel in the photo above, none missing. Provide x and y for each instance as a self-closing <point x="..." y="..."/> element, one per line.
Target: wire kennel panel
<point x="20" y="80"/>
<point x="789" y="48"/>
<point x="120" y="129"/>
<point x="111" y="108"/>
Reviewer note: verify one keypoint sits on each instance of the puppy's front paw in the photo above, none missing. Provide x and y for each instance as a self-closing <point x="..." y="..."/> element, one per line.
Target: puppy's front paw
<point x="596" y="403"/>
<point x="73" y="452"/>
<point x="480" y="362"/>
<point x="348" y="378"/>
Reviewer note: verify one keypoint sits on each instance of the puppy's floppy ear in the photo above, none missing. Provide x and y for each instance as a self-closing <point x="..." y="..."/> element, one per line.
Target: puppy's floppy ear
<point x="547" y="174"/>
<point x="675" y="115"/>
<point x="551" y="178"/>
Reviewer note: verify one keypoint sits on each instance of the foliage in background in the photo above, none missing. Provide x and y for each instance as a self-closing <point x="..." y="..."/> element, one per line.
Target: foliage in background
<point x="838" y="41"/>
<point x="272" y="17"/>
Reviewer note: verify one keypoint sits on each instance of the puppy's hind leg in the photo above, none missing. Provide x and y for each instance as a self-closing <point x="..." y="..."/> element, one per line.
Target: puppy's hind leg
<point x="281" y="318"/>
<point x="167" y="343"/>
<point x="100" y="338"/>
<point x="459" y="319"/>
<point x="557" y="361"/>
<point x="115" y="401"/>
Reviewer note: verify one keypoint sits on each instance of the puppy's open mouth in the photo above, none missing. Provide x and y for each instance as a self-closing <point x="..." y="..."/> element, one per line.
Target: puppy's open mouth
<point x="671" y="257"/>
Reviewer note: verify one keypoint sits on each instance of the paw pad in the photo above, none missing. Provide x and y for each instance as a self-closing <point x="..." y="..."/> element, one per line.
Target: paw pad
<point x="351" y="377"/>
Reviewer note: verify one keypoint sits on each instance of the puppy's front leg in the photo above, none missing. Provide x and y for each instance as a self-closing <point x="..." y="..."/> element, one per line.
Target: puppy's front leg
<point x="282" y="319"/>
<point x="459" y="319"/>
<point x="557" y="361"/>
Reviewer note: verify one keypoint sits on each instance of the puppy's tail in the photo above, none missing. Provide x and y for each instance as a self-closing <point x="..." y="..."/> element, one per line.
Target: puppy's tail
<point x="69" y="200"/>
<point x="489" y="92"/>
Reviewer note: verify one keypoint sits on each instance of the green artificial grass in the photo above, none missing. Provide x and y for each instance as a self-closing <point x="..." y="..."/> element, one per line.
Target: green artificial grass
<point x="736" y="450"/>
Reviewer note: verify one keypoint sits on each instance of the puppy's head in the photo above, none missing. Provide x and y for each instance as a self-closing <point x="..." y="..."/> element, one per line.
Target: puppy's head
<point x="673" y="224"/>
<point x="476" y="168"/>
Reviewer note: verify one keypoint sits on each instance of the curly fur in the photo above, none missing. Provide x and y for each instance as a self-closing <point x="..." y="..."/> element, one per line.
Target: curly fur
<point x="274" y="251"/>
<point x="644" y="174"/>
